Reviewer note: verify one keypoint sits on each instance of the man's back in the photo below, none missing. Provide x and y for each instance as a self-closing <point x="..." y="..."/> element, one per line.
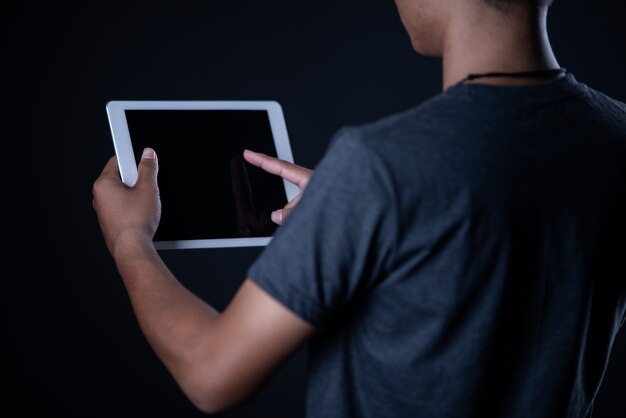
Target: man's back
<point x="462" y="258"/>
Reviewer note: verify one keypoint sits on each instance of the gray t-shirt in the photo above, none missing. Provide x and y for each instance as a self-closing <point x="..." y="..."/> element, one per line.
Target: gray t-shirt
<point x="464" y="258"/>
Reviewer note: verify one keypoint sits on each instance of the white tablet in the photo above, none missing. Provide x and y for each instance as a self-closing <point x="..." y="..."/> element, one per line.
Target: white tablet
<point x="210" y="196"/>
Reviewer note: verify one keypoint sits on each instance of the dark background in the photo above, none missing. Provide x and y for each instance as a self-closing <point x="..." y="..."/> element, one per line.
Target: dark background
<point x="71" y="346"/>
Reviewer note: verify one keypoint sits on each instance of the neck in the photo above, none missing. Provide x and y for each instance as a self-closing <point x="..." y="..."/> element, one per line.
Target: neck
<point x="487" y="40"/>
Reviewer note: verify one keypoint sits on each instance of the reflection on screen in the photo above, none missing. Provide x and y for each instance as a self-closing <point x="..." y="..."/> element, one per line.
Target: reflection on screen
<point x="207" y="189"/>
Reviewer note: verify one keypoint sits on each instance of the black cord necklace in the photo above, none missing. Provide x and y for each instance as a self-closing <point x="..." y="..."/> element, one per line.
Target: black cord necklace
<point x="523" y="74"/>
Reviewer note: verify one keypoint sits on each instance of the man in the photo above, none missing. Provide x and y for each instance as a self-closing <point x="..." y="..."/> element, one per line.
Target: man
<point x="459" y="259"/>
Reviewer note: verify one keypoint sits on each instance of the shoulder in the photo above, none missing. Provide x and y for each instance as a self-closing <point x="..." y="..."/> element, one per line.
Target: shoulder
<point x="603" y="98"/>
<point x="374" y="154"/>
<point x="391" y="131"/>
<point x="607" y="109"/>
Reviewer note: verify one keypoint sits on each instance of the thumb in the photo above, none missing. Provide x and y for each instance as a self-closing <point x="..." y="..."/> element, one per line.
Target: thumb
<point x="148" y="166"/>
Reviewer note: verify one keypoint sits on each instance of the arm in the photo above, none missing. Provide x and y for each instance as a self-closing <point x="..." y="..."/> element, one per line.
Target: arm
<point x="217" y="359"/>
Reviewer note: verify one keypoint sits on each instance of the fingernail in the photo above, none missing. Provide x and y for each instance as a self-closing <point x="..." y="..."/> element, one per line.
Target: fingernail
<point x="149" y="154"/>
<point x="277" y="216"/>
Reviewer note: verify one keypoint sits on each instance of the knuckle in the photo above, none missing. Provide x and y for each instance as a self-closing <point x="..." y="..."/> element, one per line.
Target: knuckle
<point x="97" y="185"/>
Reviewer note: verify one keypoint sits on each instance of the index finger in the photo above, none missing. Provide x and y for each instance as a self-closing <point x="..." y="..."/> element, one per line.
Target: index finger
<point x="290" y="172"/>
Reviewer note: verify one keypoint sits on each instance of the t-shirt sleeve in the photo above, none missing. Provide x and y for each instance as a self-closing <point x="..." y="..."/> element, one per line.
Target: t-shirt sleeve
<point x="338" y="241"/>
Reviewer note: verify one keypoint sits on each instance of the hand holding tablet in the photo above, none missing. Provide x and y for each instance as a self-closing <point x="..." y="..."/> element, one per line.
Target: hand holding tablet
<point x="211" y="197"/>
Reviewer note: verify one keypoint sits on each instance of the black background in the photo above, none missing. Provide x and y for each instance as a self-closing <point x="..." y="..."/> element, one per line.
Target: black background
<point x="70" y="344"/>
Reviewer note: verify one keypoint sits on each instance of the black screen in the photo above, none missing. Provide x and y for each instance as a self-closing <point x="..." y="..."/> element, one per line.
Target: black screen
<point x="207" y="189"/>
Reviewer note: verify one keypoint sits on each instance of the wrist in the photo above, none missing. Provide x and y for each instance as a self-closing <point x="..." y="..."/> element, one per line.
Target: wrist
<point x="131" y="245"/>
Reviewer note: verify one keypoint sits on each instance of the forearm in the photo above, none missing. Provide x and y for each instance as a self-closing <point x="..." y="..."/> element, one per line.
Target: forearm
<point x="175" y="322"/>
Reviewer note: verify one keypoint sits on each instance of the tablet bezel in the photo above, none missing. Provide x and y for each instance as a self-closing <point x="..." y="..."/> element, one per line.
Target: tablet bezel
<point x="128" y="166"/>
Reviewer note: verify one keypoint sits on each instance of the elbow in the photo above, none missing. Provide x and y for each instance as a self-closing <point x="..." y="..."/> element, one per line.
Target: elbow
<point x="206" y="399"/>
<point x="212" y="395"/>
<point x="206" y="404"/>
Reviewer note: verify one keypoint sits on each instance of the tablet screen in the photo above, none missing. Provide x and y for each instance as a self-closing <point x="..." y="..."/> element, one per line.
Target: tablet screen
<point x="207" y="189"/>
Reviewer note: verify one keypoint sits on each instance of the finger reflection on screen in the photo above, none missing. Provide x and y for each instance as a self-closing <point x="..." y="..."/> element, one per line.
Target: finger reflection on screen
<point x="250" y="221"/>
